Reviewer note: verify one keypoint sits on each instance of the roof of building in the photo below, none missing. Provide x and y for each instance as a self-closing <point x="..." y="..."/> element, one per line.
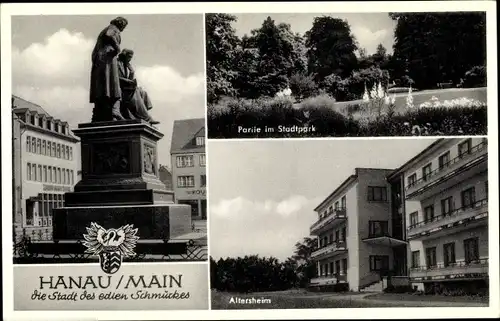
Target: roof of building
<point x="21" y="105"/>
<point x="403" y="167"/>
<point x="348" y="181"/>
<point x="345" y="183"/>
<point x="184" y="133"/>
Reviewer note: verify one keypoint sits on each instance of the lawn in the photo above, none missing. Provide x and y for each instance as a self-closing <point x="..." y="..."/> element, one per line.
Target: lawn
<point x="301" y="299"/>
<point x="426" y="298"/>
<point x="284" y="300"/>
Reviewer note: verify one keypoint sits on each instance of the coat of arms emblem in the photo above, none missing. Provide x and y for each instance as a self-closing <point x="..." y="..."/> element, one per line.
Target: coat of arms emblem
<point x="111" y="245"/>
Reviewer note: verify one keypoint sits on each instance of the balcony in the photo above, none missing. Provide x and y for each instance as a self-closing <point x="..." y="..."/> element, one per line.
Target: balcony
<point x="329" y="279"/>
<point x="453" y="272"/>
<point x="456" y="170"/>
<point x="330" y="220"/>
<point x="461" y="218"/>
<point x="329" y="250"/>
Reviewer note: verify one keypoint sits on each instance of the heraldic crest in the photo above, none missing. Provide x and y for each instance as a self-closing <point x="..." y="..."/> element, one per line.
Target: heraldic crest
<point x="111" y="245"/>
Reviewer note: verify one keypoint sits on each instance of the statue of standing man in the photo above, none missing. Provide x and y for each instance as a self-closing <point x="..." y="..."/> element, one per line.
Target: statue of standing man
<point x="105" y="92"/>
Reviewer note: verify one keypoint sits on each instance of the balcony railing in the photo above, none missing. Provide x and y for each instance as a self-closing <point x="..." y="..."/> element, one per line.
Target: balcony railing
<point x="339" y="213"/>
<point x="447" y="218"/>
<point x="444" y="167"/>
<point x="329" y="279"/>
<point x="329" y="249"/>
<point x="461" y="268"/>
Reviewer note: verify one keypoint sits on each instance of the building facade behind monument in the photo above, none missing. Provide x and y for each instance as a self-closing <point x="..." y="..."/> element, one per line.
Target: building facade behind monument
<point x="189" y="165"/>
<point x="45" y="167"/>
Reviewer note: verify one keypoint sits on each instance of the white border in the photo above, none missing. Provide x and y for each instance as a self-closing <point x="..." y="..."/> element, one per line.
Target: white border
<point x="273" y="7"/>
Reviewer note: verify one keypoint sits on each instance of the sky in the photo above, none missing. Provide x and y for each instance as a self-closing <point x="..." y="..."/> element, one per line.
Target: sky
<point x="51" y="65"/>
<point x="262" y="193"/>
<point x="369" y="29"/>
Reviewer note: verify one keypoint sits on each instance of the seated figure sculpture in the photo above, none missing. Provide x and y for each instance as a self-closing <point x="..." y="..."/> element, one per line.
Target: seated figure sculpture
<point x="135" y="101"/>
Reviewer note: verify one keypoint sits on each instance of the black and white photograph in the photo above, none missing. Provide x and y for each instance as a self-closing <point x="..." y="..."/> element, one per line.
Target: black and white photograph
<point x="348" y="74"/>
<point x="108" y="140"/>
<point x="338" y="224"/>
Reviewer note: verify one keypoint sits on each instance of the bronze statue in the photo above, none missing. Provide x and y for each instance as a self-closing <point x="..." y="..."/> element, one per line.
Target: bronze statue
<point x="135" y="101"/>
<point x="105" y="92"/>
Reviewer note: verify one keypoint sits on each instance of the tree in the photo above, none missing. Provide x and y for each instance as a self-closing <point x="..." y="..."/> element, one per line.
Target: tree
<point x="306" y="268"/>
<point x="277" y="54"/>
<point x="221" y="44"/>
<point x="331" y="48"/>
<point x="436" y="47"/>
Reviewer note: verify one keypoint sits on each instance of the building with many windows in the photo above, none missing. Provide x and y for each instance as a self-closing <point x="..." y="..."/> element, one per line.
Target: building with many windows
<point x="446" y="213"/>
<point x="424" y="224"/>
<point x="359" y="239"/>
<point x="45" y="166"/>
<point x="188" y="165"/>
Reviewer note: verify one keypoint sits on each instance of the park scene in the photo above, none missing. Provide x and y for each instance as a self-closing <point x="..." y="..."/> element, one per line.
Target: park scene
<point x="323" y="81"/>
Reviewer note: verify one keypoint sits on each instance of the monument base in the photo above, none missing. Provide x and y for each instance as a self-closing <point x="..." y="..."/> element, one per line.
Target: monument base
<point x="154" y="222"/>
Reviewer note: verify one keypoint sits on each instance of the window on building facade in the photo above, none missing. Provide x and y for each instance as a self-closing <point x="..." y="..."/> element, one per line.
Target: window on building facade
<point x="426" y="171"/>
<point x="29" y="212"/>
<point x="67" y="153"/>
<point x="38" y="146"/>
<point x="200" y="141"/>
<point x="330" y="209"/>
<point x="379" y="262"/>
<point x="337" y="236"/>
<point x="469" y="197"/>
<point x="203" y="180"/>
<point x="28" y="171"/>
<point x="54" y="175"/>
<point x="71" y="153"/>
<point x="412" y="179"/>
<point x="34" y="175"/>
<point x="28" y="144"/>
<point x="331" y="267"/>
<point x="58" y="175"/>
<point x="377" y="193"/>
<point x="330" y="238"/>
<point x="464" y="147"/>
<point x="45" y="173"/>
<point x="53" y="150"/>
<point x="72" y="177"/>
<point x="444" y="160"/>
<point x="415" y="259"/>
<point x="39" y="173"/>
<point x="446" y="205"/>
<point x="378" y="228"/>
<point x="430" y="256"/>
<point x="413" y="219"/>
<point x="44" y="147"/>
<point x="449" y="254"/>
<point x="63" y="176"/>
<point x="344" y="234"/>
<point x="337" y="205"/>
<point x="185" y="181"/>
<point x="344" y="266"/>
<point x="486" y="188"/>
<point x="33" y="120"/>
<point x="471" y="250"/>
<point x="185" y="161"/>
<point x="343" y="202"/>
<point x="58" y="150"/>
<point x="429" y="213"/>
<point x="33" y="144"/>
<point x="337" y="267"/>
<point x="202" y="160"/>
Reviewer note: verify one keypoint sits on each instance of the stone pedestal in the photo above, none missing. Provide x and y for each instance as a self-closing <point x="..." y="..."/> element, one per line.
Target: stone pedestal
<point x="120" y="185"/>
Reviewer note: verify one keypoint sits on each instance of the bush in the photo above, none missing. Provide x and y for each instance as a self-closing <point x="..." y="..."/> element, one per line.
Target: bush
<point x="321" y="113"/>
<point x="475" y="77"/>
<point x="303" y="86"/>
<point x="431" y="121"/>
